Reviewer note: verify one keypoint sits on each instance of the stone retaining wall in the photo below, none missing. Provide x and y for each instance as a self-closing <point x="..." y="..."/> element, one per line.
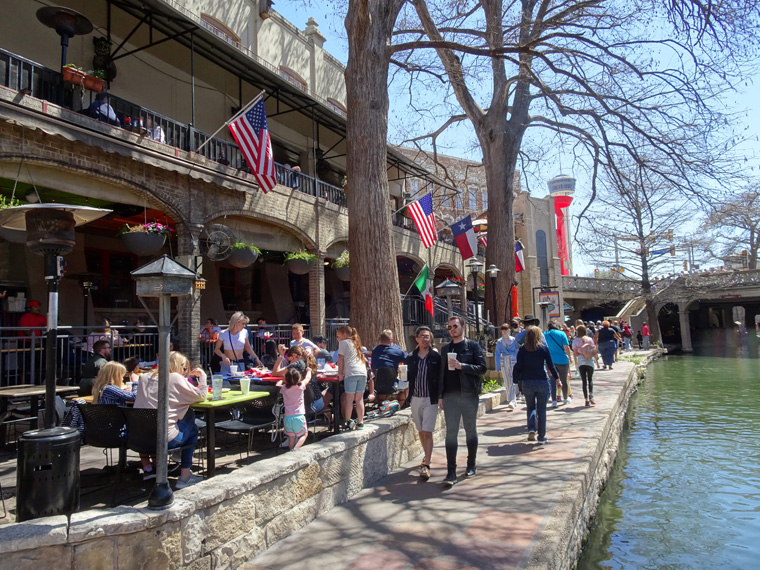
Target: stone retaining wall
<point x="222" y="522"/>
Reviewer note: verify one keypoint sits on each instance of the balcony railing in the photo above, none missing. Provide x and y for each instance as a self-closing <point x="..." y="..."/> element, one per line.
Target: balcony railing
<point x="21" y="74"/>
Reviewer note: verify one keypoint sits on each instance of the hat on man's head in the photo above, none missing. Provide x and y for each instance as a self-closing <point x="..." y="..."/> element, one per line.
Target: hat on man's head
<point x="33" y="303"/>
<point x="317" y="338"/>
<point x="530" y="320"/>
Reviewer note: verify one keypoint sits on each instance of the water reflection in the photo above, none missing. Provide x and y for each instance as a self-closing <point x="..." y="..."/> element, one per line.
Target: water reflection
<point x="685" y="490"/>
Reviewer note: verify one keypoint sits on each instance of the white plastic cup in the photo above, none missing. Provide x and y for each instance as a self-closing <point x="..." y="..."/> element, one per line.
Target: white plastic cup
<point x="321" y="363"/>
<point x="233" y="369"/>
<point x="402" y="369"/>
<point x="452" y="356"/>
<point x="245" y="385"/>
<point x="128" y="386"/>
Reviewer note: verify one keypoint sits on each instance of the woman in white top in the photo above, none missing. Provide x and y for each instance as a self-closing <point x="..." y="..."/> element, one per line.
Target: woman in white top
<point x="352" y="369"/>
<point x="235" y="343"/>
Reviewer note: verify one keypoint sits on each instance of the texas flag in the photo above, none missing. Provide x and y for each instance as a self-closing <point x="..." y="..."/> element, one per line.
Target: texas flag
<point x="464" y="233"/>
<point x="519" y="259"/>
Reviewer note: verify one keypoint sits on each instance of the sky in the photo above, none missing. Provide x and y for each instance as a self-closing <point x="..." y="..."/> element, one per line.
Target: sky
<point x="746" y="102"/>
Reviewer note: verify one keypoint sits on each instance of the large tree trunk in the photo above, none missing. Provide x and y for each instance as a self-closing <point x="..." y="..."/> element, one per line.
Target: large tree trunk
<point x="375" y="295"/>
<point x="499" y="161"/>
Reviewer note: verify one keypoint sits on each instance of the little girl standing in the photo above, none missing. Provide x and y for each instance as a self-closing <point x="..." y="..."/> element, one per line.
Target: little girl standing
<point x="292" y="389"/>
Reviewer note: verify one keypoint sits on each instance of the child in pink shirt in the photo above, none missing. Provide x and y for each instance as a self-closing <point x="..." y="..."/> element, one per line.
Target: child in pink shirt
<point x="292" y="390"/>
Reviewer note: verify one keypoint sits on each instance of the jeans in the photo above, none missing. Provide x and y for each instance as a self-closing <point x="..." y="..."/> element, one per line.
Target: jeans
<point x="464" y="406"/>
<point x="646" y="343"/>
<point x="626" y="343"/>
<point x="225" y="370"/>
<point x="587" y="377"/>
<point x="608" y="349"/>
<point x="564" y="370"/>
<point x="188" y="434"/>
<point x="536" y="393"/>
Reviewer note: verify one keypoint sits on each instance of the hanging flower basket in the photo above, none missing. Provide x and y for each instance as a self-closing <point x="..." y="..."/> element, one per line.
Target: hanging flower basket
<point x="143" y="244"/>
<point x="145" y="239"/>
<point x="13" y="236"/>
<point x="341" y="266"/>
<point x="299" y="266"/>
<point x="343" y="273"/>
<point x="243" y="255"/>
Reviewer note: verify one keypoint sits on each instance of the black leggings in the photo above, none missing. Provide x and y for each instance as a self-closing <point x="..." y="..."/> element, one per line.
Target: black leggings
<point x="587" y="377"/>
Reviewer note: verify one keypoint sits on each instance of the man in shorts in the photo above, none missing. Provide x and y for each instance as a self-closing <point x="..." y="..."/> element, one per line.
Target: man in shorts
<point x="424" y="376"/>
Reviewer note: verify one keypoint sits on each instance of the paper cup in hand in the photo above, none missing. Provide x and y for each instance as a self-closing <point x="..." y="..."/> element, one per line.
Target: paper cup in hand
<point x="452" y="356"/>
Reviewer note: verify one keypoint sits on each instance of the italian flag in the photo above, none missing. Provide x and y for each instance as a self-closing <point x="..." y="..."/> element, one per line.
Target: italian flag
<point x="425" y="286"/>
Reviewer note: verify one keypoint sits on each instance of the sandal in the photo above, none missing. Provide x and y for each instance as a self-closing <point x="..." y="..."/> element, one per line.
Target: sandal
<point x="424" y="472"/>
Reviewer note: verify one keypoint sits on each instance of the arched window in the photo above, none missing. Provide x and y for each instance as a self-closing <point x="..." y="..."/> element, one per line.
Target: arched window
<point x="336" y="106"/>
<point x="217" y="28"/>
<point x="293" y="78"/>
<point x="542" y="259"/>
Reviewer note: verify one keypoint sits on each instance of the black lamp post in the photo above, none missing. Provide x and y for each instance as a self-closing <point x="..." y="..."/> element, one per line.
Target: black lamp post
<point x="448" y="289"/>
<point x="475" y="265"/>
<point x="163" y="278"/>
<point x="493" y="273"/>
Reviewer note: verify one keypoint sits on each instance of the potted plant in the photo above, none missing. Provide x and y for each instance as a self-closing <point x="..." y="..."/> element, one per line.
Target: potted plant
<point x="145" y="239"/>
<point x="243" y="254"/>
<point x="481" y="290"/>
<point x="13" y="236"/>
<point x="73" y="74"/>
<point x="95" y="80"/>
<point x="340" y="265"/>
<point x="300" y="262"/>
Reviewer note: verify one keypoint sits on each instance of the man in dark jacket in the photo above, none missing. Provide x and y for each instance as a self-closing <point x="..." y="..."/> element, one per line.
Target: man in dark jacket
<point x="423" y="373"/>
<point x="101" y="350"/>
<point x="460" y="384"/>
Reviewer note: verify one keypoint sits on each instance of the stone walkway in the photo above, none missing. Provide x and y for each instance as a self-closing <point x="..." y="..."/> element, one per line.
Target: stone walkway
<point x="518" y="512"/>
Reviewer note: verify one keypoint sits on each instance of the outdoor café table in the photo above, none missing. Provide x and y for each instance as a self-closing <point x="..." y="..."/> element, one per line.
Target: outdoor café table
<point x="25" y="391"/>
<point x="335" y="388"/>
<point x="209" y="407"/>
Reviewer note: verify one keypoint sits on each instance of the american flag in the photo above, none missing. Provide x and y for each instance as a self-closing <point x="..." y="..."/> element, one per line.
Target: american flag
<point x="483" y="238"/>
<point x="252" y="137"/>
<point x="424" y="219"/>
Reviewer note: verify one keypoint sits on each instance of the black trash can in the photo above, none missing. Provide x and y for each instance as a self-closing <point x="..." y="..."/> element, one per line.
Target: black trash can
<point x="47" y="477"/>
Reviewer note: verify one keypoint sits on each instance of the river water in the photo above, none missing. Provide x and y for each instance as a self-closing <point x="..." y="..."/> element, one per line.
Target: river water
<point x="685" y="488"/>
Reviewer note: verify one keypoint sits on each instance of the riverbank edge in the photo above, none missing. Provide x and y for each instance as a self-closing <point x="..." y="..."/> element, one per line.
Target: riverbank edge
<point x="560" y="541"/>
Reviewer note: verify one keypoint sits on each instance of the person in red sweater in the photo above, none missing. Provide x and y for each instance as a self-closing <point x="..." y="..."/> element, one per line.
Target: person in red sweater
<point x="32" y="318"/>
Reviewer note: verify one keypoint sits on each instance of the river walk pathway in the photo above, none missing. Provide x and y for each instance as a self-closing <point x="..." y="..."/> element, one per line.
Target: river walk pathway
<point x="527" y="507"/>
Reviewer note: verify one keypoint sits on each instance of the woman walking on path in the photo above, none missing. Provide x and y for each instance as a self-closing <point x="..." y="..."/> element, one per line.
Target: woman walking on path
<point x="584" y="350"/>
<point x="533" y="359"/>
<point x="559" y="347"/>
<point x="352" y="369"/>
<point x="607" y="340"/>
<point x="506" y="356"/>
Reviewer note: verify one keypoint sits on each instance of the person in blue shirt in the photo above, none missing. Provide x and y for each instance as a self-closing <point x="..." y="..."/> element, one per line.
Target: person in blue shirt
<point x="505" y="357"/>
<point x="559" y="347"/>
<point x="533" y="360"/>
<point x="386" y="358"/>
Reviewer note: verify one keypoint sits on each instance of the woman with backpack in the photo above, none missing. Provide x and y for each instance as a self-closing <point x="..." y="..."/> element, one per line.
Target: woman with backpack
<point x="584" y="350"/>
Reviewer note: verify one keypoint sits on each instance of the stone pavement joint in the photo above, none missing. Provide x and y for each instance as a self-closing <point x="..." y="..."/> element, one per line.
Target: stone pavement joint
<point x="528" y="507"/>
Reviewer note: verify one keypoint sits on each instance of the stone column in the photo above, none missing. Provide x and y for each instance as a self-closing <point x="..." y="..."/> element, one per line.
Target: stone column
<point x="189" y="321"/>
<point x="683" y="319"/>
<point x="317" y="295"/>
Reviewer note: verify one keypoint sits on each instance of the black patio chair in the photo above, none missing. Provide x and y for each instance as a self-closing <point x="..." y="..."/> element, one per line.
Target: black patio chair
<point x="106" y="427"/>
<point x="142" y="426"/>
<point x="256" y="415"/>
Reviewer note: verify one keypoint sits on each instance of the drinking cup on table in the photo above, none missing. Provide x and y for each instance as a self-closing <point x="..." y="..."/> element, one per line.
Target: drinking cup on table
<point x="233" y="369"/>
<point x="245" y="385"/>
<point x="451" y="356"/>
<point x="216" y="386"/>
<point x="321" y="363"/>
<point x="128" y="386"/>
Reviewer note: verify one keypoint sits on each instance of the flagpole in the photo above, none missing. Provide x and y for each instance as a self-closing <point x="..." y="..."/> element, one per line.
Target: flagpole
<point x="415" y="279"/>
<point x="243" y="110"/>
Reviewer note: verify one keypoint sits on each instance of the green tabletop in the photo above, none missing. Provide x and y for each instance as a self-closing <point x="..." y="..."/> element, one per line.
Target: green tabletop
<point x="231" y="397"/>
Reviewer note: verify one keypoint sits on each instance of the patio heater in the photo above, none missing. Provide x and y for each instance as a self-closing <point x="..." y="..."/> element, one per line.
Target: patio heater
<point x="48" y="459"/>
<point x="67" y="23"/>
<point x="163" y="278"/>
<point x="448" y="289"/>
<point x="475" y="265"/>
<point x="493" y="273"/>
